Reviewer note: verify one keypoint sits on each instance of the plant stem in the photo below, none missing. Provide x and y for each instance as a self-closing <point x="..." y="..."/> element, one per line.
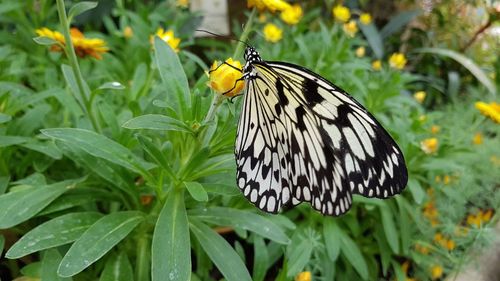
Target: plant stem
<point x="142" y="258"/>
<point x="70" y="52"/>
<point x="244" y="34"/>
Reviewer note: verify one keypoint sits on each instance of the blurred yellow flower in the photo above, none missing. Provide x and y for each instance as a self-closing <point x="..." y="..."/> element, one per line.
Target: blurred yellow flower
<point x="435" y="129"/>
<point x="365" y="18"/>
<point x="446" y="179"/>
<point x="262" y="18"/>
<point x="377" y="65"/>
<point x="491" y="110"/>
<point x="450" y="245"/>
<point x="259" y="4"/>
<point x="350" y="28"/>
<point x="422" y="118"/>
<point x="303" y="276"/>
<point x="93" y="47"/>
<point x="276" y="5"/>
<point x="341" y="13"/>
<point x="477" y="139"/>
<point x="224" y="78"/>
<point x="360" y="52"/>
<point x="420" y="96"/>
<point x="397" y="60"/>
<point x="480" y="218"/>
<point x="182" y="3"/>
<point x="436" y="272"/>
<point x="128" y="32"/>
<point x="272" y="33"/>
<point x="422" y="249"/>
<point x="169" y="37"/>
<point x="429" y="145"/>
<point x="292" y="14"/>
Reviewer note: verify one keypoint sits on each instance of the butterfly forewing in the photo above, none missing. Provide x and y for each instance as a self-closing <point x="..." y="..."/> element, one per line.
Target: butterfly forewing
<point x="303" y="139"/>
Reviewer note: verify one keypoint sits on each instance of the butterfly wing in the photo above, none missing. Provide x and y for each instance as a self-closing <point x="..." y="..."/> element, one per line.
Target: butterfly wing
<point x="329" y="144"/>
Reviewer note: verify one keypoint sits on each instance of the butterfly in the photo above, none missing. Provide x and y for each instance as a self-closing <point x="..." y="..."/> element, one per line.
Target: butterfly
<point x="300" y="138"/>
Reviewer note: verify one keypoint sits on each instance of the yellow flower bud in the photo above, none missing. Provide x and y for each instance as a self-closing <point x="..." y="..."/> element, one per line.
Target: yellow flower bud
<point x="377" y="65"/>
<point x="224" y="78"/>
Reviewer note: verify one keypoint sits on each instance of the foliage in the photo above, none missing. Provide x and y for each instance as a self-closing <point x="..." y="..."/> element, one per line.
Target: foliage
<point x="123" y="168"/>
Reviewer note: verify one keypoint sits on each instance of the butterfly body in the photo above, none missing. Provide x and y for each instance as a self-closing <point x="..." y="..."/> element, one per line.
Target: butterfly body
<point x="302" y="139"/>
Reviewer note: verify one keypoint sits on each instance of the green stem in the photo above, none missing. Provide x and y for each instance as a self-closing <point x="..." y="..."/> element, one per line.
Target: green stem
<point x="70" y="52"/>
<point x="142" y="258"/>
<point x="216" y="102"/>
<point x="244" y="35"/>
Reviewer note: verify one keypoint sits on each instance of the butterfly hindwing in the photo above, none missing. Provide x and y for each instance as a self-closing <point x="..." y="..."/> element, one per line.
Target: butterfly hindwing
<point x="302" y="139"/>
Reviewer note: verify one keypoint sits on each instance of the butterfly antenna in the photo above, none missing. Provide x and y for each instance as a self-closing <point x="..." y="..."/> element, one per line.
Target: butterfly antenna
<point x="222" y="36"/>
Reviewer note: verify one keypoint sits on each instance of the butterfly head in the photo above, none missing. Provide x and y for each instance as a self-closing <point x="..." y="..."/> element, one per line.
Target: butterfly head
<point x="250" y="56"/>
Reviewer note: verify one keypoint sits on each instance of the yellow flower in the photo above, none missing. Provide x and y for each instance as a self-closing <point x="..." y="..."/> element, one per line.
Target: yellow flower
<point x="276" y="5"/>
<point x="93" y="47"/>
<point x="435" y="129"/>
<point x="377" y="65"/>
<point x="272" y="33"/>
<point x="225" y="77"/>
<point x="341" y="13"/>
<point x="292" y="14"/>
<point x="303" y="276"/>
<point x="477" y="139"/>
<point x="350" y="28"/>
<point x="169" y="37"/>
<point x="436" y="272"/>
<point x="420" y="96"/>
<point x="259" y="4"/>
<point x="365" y="18"/>
<point x="397" y="60"/>
<point x="429" y="145"/>
<point x="405" y="266"/>
<point x="360" y="52"/>
<point x="450" y="245"/>
<point x="491" y="110"/>
<point x="182" y="3"/>
<point x="128" y="32"/>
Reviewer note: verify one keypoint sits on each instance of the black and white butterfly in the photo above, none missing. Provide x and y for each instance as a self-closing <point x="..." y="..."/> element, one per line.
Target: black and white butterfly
<point x="302" y="139"/>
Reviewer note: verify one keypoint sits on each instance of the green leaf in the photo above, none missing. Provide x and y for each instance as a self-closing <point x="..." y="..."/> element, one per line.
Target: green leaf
<point x="117" y="268"/>
<point x="45" y="41"/>
<point x="298" y="257"/>
<point x="171" y="250"/>
<point x="50" y="262"/>
<point x="4" y="183"/>
<point x="221" y="189"/>
<point x="220" y="252"/>
<point x="332" y="241"/>
<point x="21" y="205"/>
<point x="398" y="22"/>
<point x="374" y="39"/>
<point x="173" y="76"/>
<point x="2" y="244"/>
<point x="70" y="78"/>
<point x="154" y="152"/>
<point x="352" y="253"/>
<point x="111" y="86"/>
<point x="391" y="234"/>
<point x="197" y="191"/>
<point x="56" y="232"/>
<point x="4" y="118"/>
<point x="12" y="140"/>
<point x="465" y="62"/>
<point x="243" y="220"/>
<point x="260" y="260"/>
<point x="101" y="237"/>
<point x="99" y="146"/>
<point x="47" y="148"/>
<point x="416" y="190"/>
<point x="156" y="122"/>
<point x="80" y="8"/>
<point x="405" y="225"/>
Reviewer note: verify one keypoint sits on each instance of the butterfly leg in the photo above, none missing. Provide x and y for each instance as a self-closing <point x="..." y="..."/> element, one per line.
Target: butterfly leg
<point x="232" y="66"/>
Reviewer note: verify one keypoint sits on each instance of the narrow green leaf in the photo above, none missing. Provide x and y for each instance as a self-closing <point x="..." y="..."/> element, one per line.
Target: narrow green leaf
<point x="2" y="244"/>
<point x="56" y="232"/>
<point x="99" y="146"/>
<point x="332" y="240"/>
<point x="243" y="220"/>
<point x="4" y="118"/>
<point x="156" y="122"/>
<point x="94" y="243"/>
<point x="45" y="41"/>
<point x="117" y="268"/>
<point x="50" y="262"/>
<point x="374" y="39"/>
<point x="70" y="78"/>
<point x="154" y="152"/>
<point x="111" y="86"/>
<point x="220" y="252"/>
<point x="171" y="250"/>
<point x="222" y="189"/>
<point x="47" y="148"/>
<point x="465" y="62"/>
<point x="404" y="225"/>
<point x="352" y="253"/>
<point x="298" y="257"/>
<point x="21" y="205"/>
<point x="80" y="8"/>
<point x="173" y="76"/>
<point x="416" y="190"/>
<point x="390" y="231"/>
<point x="4" y="183"/>
<point x="197" y="191"/>
<point x="12" y="140"/>
<point x="398" y="22"/>
<point x="260" y="260"/>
